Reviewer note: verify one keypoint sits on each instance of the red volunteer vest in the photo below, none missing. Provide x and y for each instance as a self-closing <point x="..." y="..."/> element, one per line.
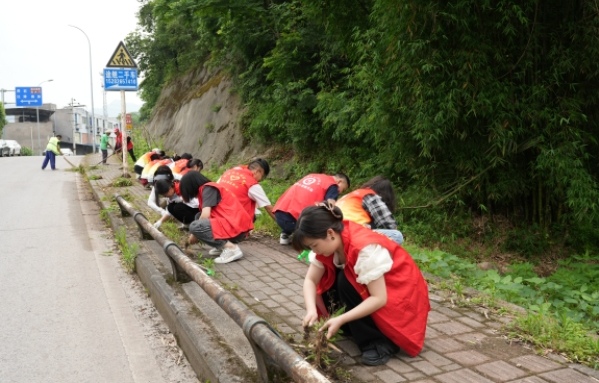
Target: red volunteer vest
<point x="351" y="206"/>
<point x="239" y="180"/>
<point x="305" y="192"/>
<point x="180" y="165"/>
<point x="146" y="172"/>
<point x="403" y="318"/>
<point x="228" y="219"/>
<point x="144" y="159"/>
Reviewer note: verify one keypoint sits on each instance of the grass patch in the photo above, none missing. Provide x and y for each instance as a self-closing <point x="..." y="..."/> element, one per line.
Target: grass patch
<point x="94" y="177"/>
<point x="558" y="334"/>
<point x="172" y="231"/>
<point x="122" y="182"/>
<point x="105" y="213"/>
<point x="565" y="303"/>
<point x="128" y="251"/>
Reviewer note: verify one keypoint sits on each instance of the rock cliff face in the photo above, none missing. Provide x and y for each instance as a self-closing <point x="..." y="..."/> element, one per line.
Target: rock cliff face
<point x="199" y="114"/>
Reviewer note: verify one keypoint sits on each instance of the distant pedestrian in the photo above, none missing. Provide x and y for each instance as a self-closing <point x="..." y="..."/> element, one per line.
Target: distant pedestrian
<point x="104" y="145"/>
<point x="130" y="149"/>
<point x="52" y="149"/>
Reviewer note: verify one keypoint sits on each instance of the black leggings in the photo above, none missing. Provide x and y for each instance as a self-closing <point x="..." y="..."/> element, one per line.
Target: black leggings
<point x="363" y="330"/>
<point x="182" y="212"/>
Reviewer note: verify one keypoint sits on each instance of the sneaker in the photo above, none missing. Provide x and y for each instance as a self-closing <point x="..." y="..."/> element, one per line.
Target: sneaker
<point x="378" y="353"/>
<point x="229" y="255"/>
<point x="215" y="251"/>
<point x="285" y="239"/>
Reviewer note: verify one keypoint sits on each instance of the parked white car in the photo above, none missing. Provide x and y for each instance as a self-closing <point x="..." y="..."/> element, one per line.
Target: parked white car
<point x="15" y="148"/>
<point x="4" y="149"/>
<point x="66" y="151"/>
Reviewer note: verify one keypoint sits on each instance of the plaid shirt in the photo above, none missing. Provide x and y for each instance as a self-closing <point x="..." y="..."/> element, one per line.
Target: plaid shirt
<point x="380" y="213"/>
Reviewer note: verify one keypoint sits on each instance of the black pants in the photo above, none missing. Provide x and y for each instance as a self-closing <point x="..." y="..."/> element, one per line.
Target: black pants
<point x="132" y="155"/>
<point x="363" y="330"/>
<point x="104" y="155"/>
<point x="285" y="221"/>
<point x="182" y="212"/>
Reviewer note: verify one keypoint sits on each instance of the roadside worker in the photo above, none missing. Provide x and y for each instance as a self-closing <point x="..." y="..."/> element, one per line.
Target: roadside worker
<point x="118" y="144"/>
<point x="309" y="190"/>
<point x="165" y="185"/>
<point x="52" y="150"/>
<point x="141" y="163"/>
<point x="130" y="148"/>
<point x="222" y="223"/>
<point x="243" y="182"/>
<point x="372" y="205"/>
<point x="104" y="145"/>
<point x="383" y="291"/>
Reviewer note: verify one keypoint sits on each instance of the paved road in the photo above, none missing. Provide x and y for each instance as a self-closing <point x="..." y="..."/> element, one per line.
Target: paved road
<point x="64" y="316"/>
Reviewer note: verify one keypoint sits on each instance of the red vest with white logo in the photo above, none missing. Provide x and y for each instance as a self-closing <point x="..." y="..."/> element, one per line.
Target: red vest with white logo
<point x="351" y="206"/>
<point x="144" y="159"/>
<point x="239" y="180"/>
<point x="403" y="318"/>
<point x="305" y="192"/>
<point x="228" y="218"/>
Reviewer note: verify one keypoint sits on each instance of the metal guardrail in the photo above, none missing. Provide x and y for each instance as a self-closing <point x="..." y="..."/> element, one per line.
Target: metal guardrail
<point x="265" y="341"/>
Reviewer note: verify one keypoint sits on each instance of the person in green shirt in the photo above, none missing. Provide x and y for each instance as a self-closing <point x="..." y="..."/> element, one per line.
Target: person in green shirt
<point x="104" y="147"/>
<point x="52" y="149"/>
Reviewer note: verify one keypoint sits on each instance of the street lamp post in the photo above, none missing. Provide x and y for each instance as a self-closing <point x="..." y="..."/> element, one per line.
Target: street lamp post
<point x="91" y="86"/>
<point x="37" y="114"/>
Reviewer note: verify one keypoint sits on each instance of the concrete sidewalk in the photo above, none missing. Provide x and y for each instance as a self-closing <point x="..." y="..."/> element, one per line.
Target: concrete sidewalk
<point x="463" y="344"/>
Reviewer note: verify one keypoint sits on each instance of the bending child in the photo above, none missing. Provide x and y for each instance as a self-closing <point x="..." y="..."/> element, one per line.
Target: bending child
<point x="384" y="292"/>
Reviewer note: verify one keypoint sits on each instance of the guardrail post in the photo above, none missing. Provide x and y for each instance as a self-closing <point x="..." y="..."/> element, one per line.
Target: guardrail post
<point x="178" y="274"/>
<point x="261" y="357"/>
<point x="142" y="231"/>
<point x="124" y="211"/>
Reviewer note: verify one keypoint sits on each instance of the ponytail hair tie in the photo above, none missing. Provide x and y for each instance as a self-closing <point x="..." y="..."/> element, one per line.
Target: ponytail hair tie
<point x="331" y="208"/>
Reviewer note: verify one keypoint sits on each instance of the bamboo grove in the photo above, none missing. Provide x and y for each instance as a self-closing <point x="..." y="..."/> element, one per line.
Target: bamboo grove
<point x="490" y="106"/>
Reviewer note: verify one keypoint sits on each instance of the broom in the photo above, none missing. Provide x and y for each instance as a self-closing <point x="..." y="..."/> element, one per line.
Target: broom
<point x="69" y="162"/>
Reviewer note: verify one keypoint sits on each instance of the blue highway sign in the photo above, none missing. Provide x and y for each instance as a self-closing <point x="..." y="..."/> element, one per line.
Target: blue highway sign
<point x="120" y="79"/>
<point x="28" y="95"/>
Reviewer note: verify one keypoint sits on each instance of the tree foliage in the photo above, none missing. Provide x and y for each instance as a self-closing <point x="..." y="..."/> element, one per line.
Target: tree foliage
<point x="490" y="102"/>
<point x="2" y="118"/>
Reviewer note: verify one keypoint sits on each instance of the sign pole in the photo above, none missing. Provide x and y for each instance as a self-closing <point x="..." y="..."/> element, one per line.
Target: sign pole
<point x="124" y="134"/>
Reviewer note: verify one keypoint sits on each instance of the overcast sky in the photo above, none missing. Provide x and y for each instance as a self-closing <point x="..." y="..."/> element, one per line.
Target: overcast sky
<point x="37" y="44"/>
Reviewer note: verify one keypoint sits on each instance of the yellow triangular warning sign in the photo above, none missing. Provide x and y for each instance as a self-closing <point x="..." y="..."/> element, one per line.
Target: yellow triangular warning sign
<point x="121" y="58"/>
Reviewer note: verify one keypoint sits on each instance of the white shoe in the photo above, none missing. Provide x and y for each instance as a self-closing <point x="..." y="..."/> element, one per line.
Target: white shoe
<point x="215" y="251"/>
<point x="285" y="239"/>
<point x="229" y="255"/>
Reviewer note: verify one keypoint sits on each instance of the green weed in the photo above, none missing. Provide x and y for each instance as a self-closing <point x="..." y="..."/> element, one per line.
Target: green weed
<point x="128" y="251"/>
<point x="122" y="182"/>
<point x="105" y="213"/>
<point x="558" y="334"/>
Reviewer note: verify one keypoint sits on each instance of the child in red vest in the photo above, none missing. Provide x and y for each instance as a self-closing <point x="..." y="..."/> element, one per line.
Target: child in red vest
<point x="223" y="222"/>
<point x="244" y="182"/>
<point x="383" y="291"/>
<point x="309" y="190"/>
